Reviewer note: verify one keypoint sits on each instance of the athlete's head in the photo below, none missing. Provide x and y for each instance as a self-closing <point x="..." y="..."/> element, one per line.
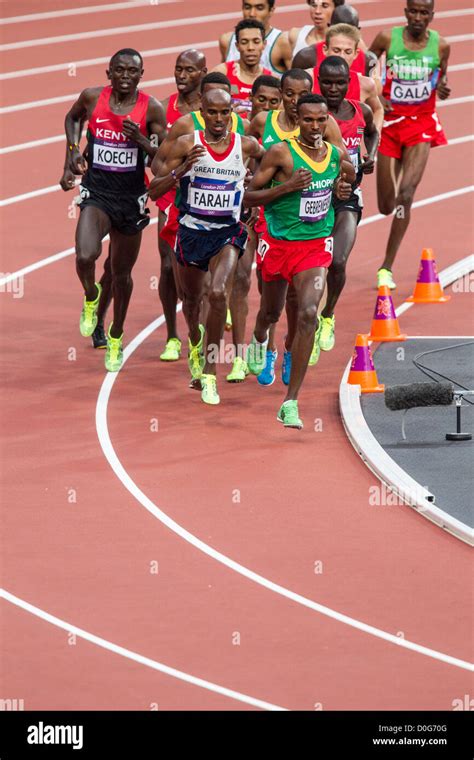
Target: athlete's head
<point x="312" y="118"/>
<point x="216" y="110"/>
<point x="321" y="12"/>
<point x="125" y="70"/>
<point x="266" y="94"/>
<point x="294" y="84"/>
<point x="345" y="14"/>
<point x="190" y="68"/>
<point x="250" y="41"/>
<point x="333" y="80"/>
<point x="419" y="15"/>
<point x="215" y="80"/>
<point x="260" y="10"/>
<point x="342" y="40"/>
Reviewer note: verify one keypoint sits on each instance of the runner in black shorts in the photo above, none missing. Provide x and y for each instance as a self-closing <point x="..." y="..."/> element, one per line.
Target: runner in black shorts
<point x="113" y="192"/>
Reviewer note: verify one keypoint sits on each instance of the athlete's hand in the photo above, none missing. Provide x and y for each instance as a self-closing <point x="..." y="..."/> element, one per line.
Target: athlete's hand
<point x="194" y="155"/>
<point x="68" y="180"/>
<point x="247" y="179"/>
<point x="368" y="165"/>
<point x="132" y="130"/>
<point x="387" y="106"/>
<point x="442" y="89"/>
<point x="254" y="214"/>
<point x="300" y="180"/>
<point x="343" y="188"/>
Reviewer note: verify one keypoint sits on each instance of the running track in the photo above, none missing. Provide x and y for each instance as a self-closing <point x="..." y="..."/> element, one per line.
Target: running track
<point x="248" y="511"/>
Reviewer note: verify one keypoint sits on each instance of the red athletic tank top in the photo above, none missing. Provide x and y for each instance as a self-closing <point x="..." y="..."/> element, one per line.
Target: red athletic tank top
<point x="358" y="64"/>
<point x="240" y="91"/>
<point x="116" y="164"/>
<point x="352" y="132"/>
<point x="172" y="113"/>
<point x="353" y="93"/>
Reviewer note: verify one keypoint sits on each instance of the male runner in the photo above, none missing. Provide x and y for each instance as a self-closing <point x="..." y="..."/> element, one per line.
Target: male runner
<point x="211" y="167"/>
<point x="190" y="68"/>
<point x="295" y="183"/>
<point x="277" y="52"/>
<point x="312" y="56"/>
<point x="355" y="121"/>
<point x="242" y="73"/>
<point x="416" y="69"/>
<point x="320" y="12"/>
<point x="113" y="190"/>
<point x="343" y="40"/>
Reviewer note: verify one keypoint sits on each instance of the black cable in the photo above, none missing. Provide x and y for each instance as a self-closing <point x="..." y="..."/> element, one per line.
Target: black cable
<point x="426" y="370"/>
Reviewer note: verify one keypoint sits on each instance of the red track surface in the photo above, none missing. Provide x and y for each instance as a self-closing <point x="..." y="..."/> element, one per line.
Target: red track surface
<point x="304" y="497"/>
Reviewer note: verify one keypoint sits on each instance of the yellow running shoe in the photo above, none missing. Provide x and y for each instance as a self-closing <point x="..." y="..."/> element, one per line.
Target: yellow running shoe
<point x="88" y="320"/>
<point x="114" y="353"/>
<point x="384" y="277"/>
<point x="326" y="333"/>
<point x="238" y="372"/>
<point x="172" y="350"/>
<point x="314" y="358"/>
<point x="196" y="359"/>
<point x="228" y="320"/>
<point x="209" y="390"/>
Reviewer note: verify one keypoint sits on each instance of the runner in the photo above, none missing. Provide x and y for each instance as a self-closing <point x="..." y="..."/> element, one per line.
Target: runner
<point x="277" y="52"/>
<point x="343" y="40"/>
<point x="272" y="128"/>
<point x="210" y="234"/>
<point x="242" y="73"/>
<point x="113" y="191"/>
<point x="355" y="121"/>
<point x="416" y="69"/>
<point x="320" y="12"/>
<point x="190" y="68"/>
<point x="295" y="182"/>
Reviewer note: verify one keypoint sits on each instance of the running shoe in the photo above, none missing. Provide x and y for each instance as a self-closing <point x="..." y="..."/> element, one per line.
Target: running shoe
<point x="288" y="414"/>
<point x="209" y="390"/>
<point x="267" y="375"/>
<point x="384" y="277"/>
<point x="114" y="353"/>
<point x="99" y="338"/>
<point x="327" y="338"/>
<point x="286" y="367"/>
<point x="238" y="372"/>
<point x="172" y="350"/>
<point x="88" y="320"/>
<point x="256" y="355"/>
<point x="196" y="360"/>
<point x="228" y="320"/>
<point x="316" y="350"/>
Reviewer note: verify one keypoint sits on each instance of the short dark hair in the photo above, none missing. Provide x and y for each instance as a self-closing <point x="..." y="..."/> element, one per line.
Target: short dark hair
<point x="299" y="74"/>
<point x="215" y="77"/>
<point x="311" y="100"/>
<point x="265" y="80"/>
<point x="271" y="3"/>
<point x="249" y="23"/>
<point x="345" y="14"/>
<point x="334" y="62"/>
<point x="126" y="51"/>
<point x="336" y="2"/>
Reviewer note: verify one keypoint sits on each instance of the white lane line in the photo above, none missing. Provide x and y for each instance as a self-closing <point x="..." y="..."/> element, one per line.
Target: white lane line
<point x="454" y="101"/>
<point x="130" y="655"/>
<point x="461" y="67"/>
<point x="459" y="140"/>
<point x="85" y="10"/>
<point x="198" y="20"/>
<point x="204" y="45"/>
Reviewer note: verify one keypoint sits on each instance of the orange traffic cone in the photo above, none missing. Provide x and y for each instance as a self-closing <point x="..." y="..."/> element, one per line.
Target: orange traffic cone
<point x="428" y="288"/>
<point x="362" y="370"/>
<point x="385" y="323"/>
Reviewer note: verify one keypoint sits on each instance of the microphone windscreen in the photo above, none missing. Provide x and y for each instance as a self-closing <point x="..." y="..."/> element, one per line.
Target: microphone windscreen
<point x="418" y="394"/>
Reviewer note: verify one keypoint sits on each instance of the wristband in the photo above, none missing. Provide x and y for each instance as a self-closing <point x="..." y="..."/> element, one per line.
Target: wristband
<point x="174" y="175"/>
<point x="75" y="145"/>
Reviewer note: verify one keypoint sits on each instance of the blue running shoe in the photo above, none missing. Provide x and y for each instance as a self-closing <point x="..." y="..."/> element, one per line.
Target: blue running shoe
<point x="286" y="367"/>
<point x="267" y="375"/>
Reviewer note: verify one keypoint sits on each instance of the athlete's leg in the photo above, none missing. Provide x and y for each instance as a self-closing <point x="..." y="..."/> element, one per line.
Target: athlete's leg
<point x="92" y="227"/>
<point x="388" y="172"/>
<point x="192" y="283"/>
<point x="309" y="286"/>
<point x="167" y="286"/>
<point x="272" y="329"/>
<point x="414" y="160"/>
<point x="238" y="302"/>
<point x="205" y="298"/>
<point x="291" y="308"/>
<point x="344" y="234"/>
<point x="106" y="295"/>
<point x="222" y="269"/>
<point x="271" y="307"/>
<point x="124" y="253"/>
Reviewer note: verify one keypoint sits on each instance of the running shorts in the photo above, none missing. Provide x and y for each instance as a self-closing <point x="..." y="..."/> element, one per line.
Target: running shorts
<point x="127" y="213"/>
<point x="198" y="247"/>
<point x="282" y="259"/>
<point x="353" y="203"/>
<point x="405" y="131"/>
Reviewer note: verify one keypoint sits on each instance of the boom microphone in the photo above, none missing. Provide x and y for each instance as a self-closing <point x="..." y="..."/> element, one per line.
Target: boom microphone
<point x="418" y="394"/>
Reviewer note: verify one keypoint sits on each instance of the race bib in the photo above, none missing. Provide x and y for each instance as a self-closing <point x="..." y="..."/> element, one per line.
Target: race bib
<point x="354" y="156"/>
<point x="314" y="205"/>
<point x="410" y="92"/>
<point x="262" y="248"/>
<point x="209" y="198"/>
<point x="114" y="158"/>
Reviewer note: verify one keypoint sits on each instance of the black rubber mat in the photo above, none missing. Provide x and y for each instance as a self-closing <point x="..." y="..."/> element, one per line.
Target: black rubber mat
<point x="446" y="468"/>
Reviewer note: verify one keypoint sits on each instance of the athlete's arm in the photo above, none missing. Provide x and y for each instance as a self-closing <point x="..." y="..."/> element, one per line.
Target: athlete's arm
<point x="343" y="184"/>
<point x="381" y="43"/>
<point x="371" y="140"/>
<point x="368" y="92"/>
<point x="182" y="155"/>
<point x="257" y="125"/>
<point x="74" y="162"/>
<point x="224" y="42"/>
<point x="282" y="53"/>
<point x="183" y="126"/>
<point x="156" y="125"/>
<point x="251" y="148"/>
<point x="222" y="67"/>
<point x="442" y="89"/>
<point x="274" y="160"/>
<point x="305" y="59"/>
<point x="293" y="36"/>
<point x="332" y="134"/>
